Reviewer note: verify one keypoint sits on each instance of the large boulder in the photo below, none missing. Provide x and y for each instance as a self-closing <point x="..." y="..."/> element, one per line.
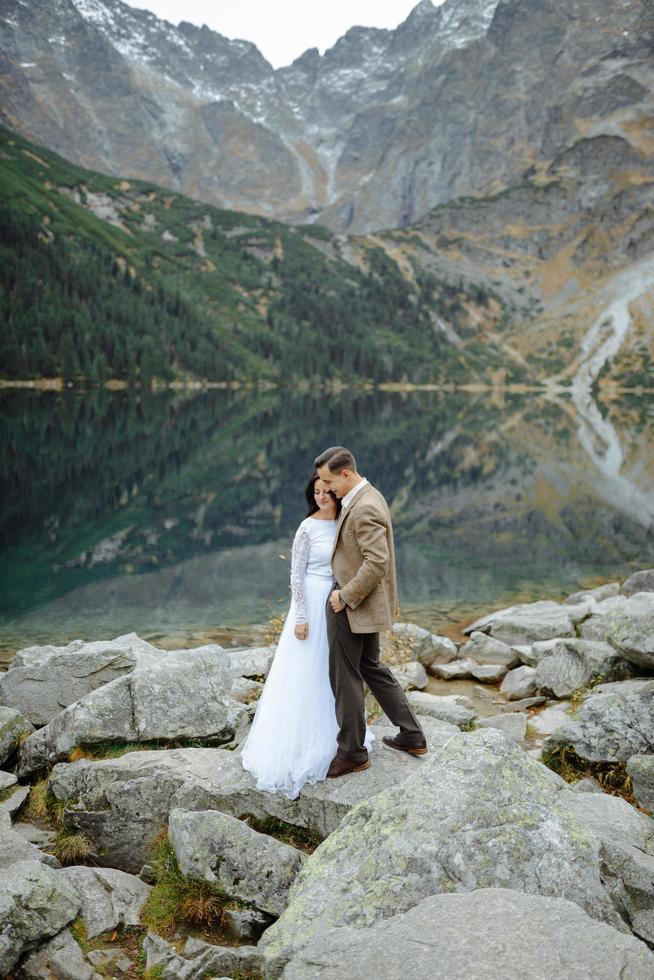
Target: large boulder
<point x="122" y="804"/>
<point x="626" y="839"/>
<point x="110" y="899"/>
<point x="13" y="727"/>
<point x="627" y="623"/>
<point x="570" y="664"/>
<point x="181" y="695"/>
<point x="487" y="650"/>
<point x="42" y="680"/>
<point x="528" y="622"/>
<point x="480" y="814"/>
<point x="35" y="903"/>
<point x="614" y="721"/>
<point x="641" y="770"/>
<point x="247" y="865"/>
<point x="642" y="581"/>
<point x="507" y="934"/>
<point x="425" y="647"/>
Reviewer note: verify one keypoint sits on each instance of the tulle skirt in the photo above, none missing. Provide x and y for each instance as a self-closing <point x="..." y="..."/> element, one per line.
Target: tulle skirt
<point x="293" y="734"/>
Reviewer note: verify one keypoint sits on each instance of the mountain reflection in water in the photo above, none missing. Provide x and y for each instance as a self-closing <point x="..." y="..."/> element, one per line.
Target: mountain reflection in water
<point x="173" y="515"/>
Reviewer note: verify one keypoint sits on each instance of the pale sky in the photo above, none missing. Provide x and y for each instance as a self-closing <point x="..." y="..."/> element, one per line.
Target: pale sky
<point x="283" y="29"/>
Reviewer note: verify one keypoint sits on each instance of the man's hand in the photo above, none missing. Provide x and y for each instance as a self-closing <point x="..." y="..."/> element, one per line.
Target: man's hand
<point x="302" y="631"/>
<point x="335" y="601"/>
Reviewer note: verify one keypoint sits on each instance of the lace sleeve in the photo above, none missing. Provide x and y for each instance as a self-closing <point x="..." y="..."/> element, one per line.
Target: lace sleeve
<point x="299" y="561"/>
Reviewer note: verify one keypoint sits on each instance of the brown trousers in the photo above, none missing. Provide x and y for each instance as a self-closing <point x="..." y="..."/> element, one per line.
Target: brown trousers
<point x="353" y="659"/>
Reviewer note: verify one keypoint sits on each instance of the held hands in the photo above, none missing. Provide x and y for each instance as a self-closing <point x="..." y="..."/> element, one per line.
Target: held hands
<point x="335" y="601"/>
<point x="301" y="631"/>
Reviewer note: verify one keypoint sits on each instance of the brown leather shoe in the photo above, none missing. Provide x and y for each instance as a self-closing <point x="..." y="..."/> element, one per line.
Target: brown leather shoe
<point x="397" y="742"/>
<point x="341" y="767"/>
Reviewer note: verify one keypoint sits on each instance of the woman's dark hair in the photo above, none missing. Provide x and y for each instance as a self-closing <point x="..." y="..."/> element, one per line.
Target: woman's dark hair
<point x="311" y="500"/>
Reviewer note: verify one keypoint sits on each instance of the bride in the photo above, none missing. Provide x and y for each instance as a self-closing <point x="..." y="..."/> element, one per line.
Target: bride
<point x="293" y="736"/>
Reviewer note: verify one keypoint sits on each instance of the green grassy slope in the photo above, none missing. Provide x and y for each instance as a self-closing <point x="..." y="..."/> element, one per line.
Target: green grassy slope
<point x="104" y="278"/>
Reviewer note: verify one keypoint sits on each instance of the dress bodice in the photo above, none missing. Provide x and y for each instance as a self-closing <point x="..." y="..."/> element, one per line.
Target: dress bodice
<point x="311" y="555"/>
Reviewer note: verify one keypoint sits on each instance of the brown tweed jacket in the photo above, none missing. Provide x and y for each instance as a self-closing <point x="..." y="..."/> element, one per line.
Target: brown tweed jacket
<point x="363" y="563"/>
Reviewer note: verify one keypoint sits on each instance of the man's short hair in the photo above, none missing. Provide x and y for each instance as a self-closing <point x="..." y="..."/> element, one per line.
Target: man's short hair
<point x="337" y="458"/>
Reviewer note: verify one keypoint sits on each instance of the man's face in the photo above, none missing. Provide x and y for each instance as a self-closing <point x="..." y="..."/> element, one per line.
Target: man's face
<point x="338" y="482"/>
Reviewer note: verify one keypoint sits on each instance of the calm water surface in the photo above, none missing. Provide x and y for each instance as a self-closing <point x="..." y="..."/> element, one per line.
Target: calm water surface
<point x="173" y="515"/>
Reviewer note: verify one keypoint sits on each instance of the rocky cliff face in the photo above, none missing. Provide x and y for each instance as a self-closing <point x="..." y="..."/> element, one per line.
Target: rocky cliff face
<point x="459" y="99"/>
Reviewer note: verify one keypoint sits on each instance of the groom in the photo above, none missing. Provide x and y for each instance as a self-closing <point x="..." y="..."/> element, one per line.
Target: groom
<point x="363" y="603"/>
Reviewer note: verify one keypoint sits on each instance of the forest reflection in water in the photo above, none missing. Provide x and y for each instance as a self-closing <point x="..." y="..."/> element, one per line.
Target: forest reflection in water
<point x="172" y="514"/>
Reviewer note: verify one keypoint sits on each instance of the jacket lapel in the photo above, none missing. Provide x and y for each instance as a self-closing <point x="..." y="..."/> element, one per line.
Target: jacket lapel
<point x="345" y="513"/>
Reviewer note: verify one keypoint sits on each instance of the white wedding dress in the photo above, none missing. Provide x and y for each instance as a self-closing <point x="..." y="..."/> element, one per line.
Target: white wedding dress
<point x="293" y="734"/>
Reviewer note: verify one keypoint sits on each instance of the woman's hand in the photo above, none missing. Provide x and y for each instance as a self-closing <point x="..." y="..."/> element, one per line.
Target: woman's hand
<point x="301" y="631"/>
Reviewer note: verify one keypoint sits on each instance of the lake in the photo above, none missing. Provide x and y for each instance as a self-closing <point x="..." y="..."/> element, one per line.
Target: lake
<point x="172" y="514"/>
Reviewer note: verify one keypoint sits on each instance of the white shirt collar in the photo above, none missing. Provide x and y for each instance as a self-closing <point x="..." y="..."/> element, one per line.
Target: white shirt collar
<point x="349" y="497"/>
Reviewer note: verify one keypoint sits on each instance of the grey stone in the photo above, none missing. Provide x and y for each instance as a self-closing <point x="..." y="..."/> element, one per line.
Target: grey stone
<point x="110" y="959"/>
<point x="14" y="847"/>
<point x="528" y="622"/>
<point x="523" y="703"/>
<point x="513" y="725"/>
<point x="570" y="664"/>
<point x="550" y="719"/>
<point x="442" y="707"/>
<point x="109" y="898"/>
<point x="507" y="934"/>
<point x="626" y="840"/>
<point x="14" y="802"/>
<point x="426" y="648"/>
<point x="122" y="804"/>
<point x="13" y="726"/>
<point x="247" y="924"/>
<point x="518" y="683"/>
<point x="252" y="662"/>
<point x="43" y="680"/>
<point x="245" y="690"/>
<point x="250" y="866"/>
<point x="199" y="959"/>
<point x="642" y="581"/>
<point x="7" y="779"/>
<point x="35" y="903"/>
<point x="439" y="832"/>
<point x="627" y="623"/>
<point x="173" y="696"/>
<point x="610" y="725"/>
<point x="587" y="785"/>
<point x="631" y="629"/>
<point x="641" y="770"/>
<point x="597" y="594"/>
<point x="60" y="958"/>
<point x="488" y="673"/>
<point x="411" y="675"/>
<point x="454" y="670"/>
<point x="488" y="650"/>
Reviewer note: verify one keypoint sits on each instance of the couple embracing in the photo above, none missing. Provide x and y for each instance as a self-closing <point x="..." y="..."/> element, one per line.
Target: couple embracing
<point x="310" y="720"/>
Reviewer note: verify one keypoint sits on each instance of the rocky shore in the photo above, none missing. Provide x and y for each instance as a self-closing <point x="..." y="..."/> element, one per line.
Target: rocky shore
<point x="133" y="844"/>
